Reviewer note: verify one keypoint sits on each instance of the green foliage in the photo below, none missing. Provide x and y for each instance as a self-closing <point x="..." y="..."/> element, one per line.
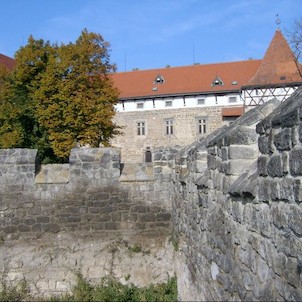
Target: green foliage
<point x="19" y="292"/>
<point x="58" y="97"/>
<point x="113" y="291"/>
<point x="136" y="248"/>
<point x="109" y="290"/>
<point x="175" y="242"/>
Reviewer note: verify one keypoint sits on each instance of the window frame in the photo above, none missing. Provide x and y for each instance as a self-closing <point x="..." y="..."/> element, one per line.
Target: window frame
<point x="232" y="99"/>
<point x="202" y="125"/>
<point x="140" y="105"/>
<point x="141" y="128"/>
<point x="169" y="126"/>
<point x="170" y="103"/>
<point x="202" y="103"/>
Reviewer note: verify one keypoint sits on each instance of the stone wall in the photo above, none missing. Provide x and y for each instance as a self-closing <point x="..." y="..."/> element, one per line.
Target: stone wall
<point x="237" y="215"/>
<point x="232" y="201"/>
<point x="133" y="146"/>
<point x="82" y="216"/>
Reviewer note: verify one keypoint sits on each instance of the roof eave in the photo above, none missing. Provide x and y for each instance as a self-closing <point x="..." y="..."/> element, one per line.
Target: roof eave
<point x="160" y="96"/>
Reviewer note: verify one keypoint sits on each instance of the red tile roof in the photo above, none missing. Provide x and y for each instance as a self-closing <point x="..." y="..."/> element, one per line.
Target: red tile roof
<point x="185" y="80"/>
<point x="278" y="66"/>
<point x="232" y="111"/>
<point x="8" y="62"/>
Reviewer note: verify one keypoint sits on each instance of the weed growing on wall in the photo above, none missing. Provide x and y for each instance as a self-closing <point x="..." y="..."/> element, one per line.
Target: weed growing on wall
<point x="109" y="290"/>
<point x="16" y="293"/>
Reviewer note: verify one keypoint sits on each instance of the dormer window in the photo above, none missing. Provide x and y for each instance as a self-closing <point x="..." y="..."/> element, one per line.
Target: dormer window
<point x="140" y="105"/>
<point x="159" y="79"/>
<point x="217" y="81"/>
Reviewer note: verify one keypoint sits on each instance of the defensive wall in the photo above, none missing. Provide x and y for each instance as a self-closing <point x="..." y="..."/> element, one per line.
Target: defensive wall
<point x="237" y="209"/>
<point x="93" y="216"/>
<point x="230" y="204"/>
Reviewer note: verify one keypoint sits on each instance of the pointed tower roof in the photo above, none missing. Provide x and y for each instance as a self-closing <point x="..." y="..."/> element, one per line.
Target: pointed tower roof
<point x="279" y="65"/>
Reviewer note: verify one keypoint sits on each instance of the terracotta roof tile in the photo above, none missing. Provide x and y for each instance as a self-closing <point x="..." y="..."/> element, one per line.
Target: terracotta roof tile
<point x="185" y="80"/>
<point x="8" y="62"/>
<point x="278" y="66"/>
<point x="232" y="111"/>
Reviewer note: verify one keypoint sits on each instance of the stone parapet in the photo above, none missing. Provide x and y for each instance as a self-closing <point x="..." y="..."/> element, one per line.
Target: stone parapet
<point x="238" y="221"/>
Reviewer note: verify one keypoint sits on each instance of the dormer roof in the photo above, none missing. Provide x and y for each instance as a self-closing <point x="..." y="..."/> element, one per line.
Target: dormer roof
<point x="279" y="65"/>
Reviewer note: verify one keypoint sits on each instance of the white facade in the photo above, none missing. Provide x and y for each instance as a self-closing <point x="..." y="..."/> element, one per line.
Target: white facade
<point x="197" y="101"/>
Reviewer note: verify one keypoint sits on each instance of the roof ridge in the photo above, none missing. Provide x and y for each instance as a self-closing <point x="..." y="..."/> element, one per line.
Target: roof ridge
<point x="187" y="66"/>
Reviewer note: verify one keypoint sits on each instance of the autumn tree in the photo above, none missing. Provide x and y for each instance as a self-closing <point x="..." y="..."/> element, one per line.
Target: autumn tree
<point x="64" y="94"/>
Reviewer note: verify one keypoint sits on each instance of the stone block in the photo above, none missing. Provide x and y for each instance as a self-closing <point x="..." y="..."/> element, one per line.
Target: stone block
<point x="237" y="166"/>
<point x="263" y="144"/>
<point x="263" y="189"/>
<point x="295" y="220"/>
<point x="50" y="227"/>
<point x="295" y="162"/>
<point x="212" y="162"/>
<point x="112" y="226"/>
<point x="275" y="166"/>
<point x="282" y="140"/>
<point x="243" y="152"/>
<point x="262" y="165"/>
<point x="241" y="136"/>
<point x="148" y="217"/>
<point x="163" y="217"/>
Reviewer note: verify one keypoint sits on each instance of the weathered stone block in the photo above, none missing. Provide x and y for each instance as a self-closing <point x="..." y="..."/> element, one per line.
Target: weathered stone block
<point x="243" y="152"/>
<point x="262" y="165"/>
<point x="50" y="227"/>
<point x="263" y="144"/>
<point x="275" y="166"/>
<point x="148" y="217"/>
<point x="283" y="140"/>
<point x="263" y="189"/>
<point x="237" y="166"/>
<point x="163" y="217"/>
<point x="112" y="226"/>
<point x="295" y="220"/>
<point x="241" y="136"/>
<point x="295" y="162"/>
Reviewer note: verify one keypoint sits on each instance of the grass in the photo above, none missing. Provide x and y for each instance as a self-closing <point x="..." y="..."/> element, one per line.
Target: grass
<point x="109" y="289"/>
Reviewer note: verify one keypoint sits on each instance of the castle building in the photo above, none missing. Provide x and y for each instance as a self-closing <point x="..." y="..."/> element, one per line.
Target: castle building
<point x="176" y="106"/>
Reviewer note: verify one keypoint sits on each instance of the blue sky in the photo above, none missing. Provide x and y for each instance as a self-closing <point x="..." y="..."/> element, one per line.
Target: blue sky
<point x="149" y="34"/>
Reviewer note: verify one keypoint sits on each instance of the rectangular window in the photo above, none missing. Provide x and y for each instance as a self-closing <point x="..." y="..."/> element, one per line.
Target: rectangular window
<point x="201" y="101"/>
<point x="232" y="99"/>
<point x="141" y="128"/>
<point x="202" y="126"/>
<point x="169" y="127"/>
<point x="140" y="106"/>
<point x="168" y="103"/>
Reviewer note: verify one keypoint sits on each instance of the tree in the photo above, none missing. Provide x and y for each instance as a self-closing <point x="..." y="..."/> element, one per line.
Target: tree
<point x="64" y="94"/>
<point x="295" y="38"/>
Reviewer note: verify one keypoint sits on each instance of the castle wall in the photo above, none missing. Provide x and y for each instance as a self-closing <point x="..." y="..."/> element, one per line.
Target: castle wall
<point x="57" y="220"/>
<point x="237" y="214"/>
<point x="232" y="201"/>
